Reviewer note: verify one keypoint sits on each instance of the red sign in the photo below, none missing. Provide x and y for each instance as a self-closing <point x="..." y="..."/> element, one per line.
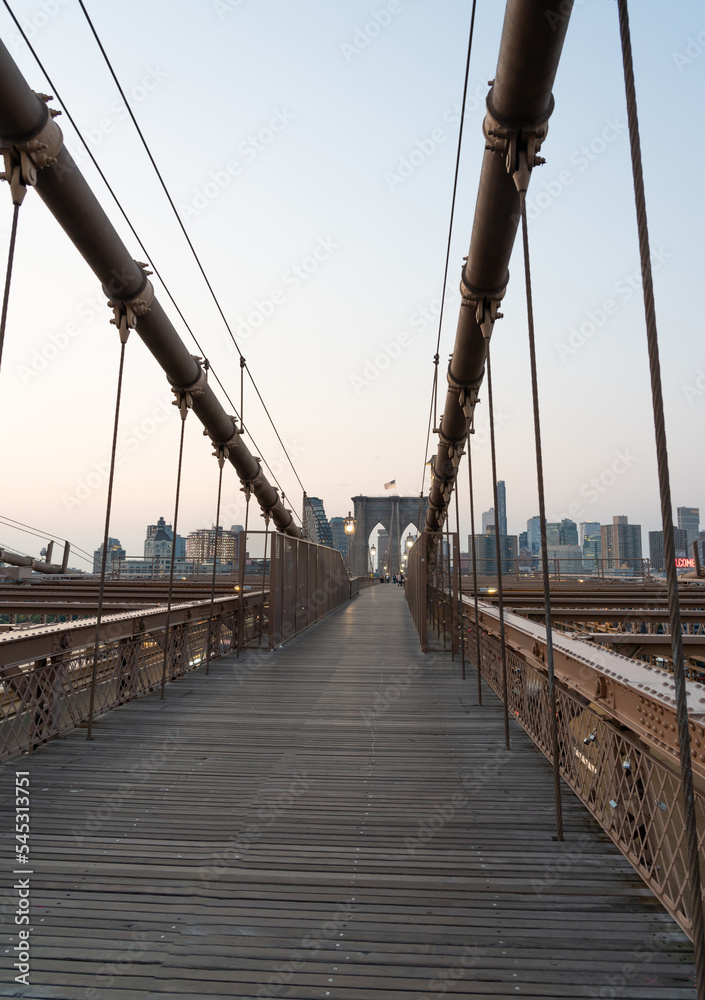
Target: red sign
<point x="682" y="563"/>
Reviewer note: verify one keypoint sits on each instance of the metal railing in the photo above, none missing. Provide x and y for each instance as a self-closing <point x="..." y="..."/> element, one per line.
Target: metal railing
<point x="631" y="788"/>
<point x="46" y="672"/>
<point x="635" y="797"/>
<point x="307" y="582"/>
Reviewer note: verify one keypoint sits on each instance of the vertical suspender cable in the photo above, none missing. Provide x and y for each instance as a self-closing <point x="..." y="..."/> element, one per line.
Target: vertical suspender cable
<point x="478" y="653"/>
<point x="500" y="594"/>
<point x="461" y="616"/>
<point x="552" y="702"/>
<point x="8" y="277"/>
<point x="264" y="574"/>
<point x="221" y="462"/>
<point x="241" y="574"/>
<point x="183" y="411"/>
<point x="691" y="831"/>
<point x="124" y="333"/>
<point x="450" y="591"/>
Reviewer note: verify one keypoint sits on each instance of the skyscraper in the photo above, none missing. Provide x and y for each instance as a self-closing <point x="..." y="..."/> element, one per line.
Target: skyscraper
<point x="588" y="528"/>
<point x="621" y="543"/>
<point x="488" y="520"/>
<point x="689" y="521"/>
<point x="315" y="521"/>
<point x="501" y="507"/>
<point x="533" y="530"/>
<point x="656" y="552"/>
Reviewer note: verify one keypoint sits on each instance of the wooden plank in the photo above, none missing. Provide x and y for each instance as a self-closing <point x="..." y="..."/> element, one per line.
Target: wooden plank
<point x="337" y="818"/>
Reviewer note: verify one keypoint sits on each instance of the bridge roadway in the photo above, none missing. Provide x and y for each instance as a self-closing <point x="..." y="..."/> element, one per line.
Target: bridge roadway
<point x="334" y="819"/>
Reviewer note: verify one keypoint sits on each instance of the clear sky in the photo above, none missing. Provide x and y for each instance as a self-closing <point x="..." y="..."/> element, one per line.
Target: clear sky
<point x="310" y="148"/>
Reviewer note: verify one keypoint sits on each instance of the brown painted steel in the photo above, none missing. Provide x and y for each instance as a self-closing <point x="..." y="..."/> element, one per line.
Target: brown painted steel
<point x="532" y="40"/>
<point x="69" y="198"/>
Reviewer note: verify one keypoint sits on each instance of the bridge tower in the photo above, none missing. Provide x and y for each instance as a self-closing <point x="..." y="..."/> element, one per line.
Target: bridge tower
<point x="393" y="513"/>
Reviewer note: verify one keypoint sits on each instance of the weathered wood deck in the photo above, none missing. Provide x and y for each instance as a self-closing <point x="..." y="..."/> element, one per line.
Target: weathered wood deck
<point x="335" y="819"/>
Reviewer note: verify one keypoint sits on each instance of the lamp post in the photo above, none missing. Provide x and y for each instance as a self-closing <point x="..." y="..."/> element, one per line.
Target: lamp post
<point x="373" y="553"/>
<point x="349" y="531"/>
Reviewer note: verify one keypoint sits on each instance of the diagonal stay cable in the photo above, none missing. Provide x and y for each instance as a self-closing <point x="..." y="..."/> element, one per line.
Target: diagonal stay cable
<point x="691" y="830"/>
<point x="434" y="390"/>
<point x="178" y="218"/>
<point x="144" y="250"/>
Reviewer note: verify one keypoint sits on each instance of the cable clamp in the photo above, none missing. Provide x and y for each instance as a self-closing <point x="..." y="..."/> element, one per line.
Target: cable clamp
<point x="467" y="391"/>
<point x="518" y="142"/>
<point x="24" y="157"/>
<point x="485" y="302"/>
<point x="256" y="482"/>
<point x="231" y="444"/>
<point x="190" y="392"/>
<point x="126" y="312"/>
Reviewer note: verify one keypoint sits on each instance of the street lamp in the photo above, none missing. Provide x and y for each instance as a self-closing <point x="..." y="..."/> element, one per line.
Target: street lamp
<point x="373" y="553"/>
<point x="409" y="540"/>
<point x="349" y="531"/>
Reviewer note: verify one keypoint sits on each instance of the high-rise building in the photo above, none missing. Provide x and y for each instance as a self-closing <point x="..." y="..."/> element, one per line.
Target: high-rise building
<point x="501" y="507"/>
<point x="533" y="530"/>
<point x="689" y="521"/>
<point x="656" y="551"/>
<point x="592" y="550"/>
<point x="116" y="553"/>
<point x="339" y="535"/>
<point x="588" y="528"/>
<point x="488" y="520"/>
<point x="621" y="544"/>
<point x="200" y="545"/>
<point x="163" y="532"/>
<point x="315" y="521"/>
<point x="486" y="553"/>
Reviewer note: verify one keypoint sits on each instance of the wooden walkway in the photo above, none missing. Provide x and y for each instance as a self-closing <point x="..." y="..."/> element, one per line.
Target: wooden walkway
<point x="334" y="819"/>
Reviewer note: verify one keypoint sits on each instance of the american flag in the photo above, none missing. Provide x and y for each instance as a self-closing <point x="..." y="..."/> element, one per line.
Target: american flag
<point x="391" y="486"/>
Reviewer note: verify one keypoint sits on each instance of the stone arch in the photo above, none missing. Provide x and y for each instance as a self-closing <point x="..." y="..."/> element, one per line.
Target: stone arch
<point x="393" y="513"/>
